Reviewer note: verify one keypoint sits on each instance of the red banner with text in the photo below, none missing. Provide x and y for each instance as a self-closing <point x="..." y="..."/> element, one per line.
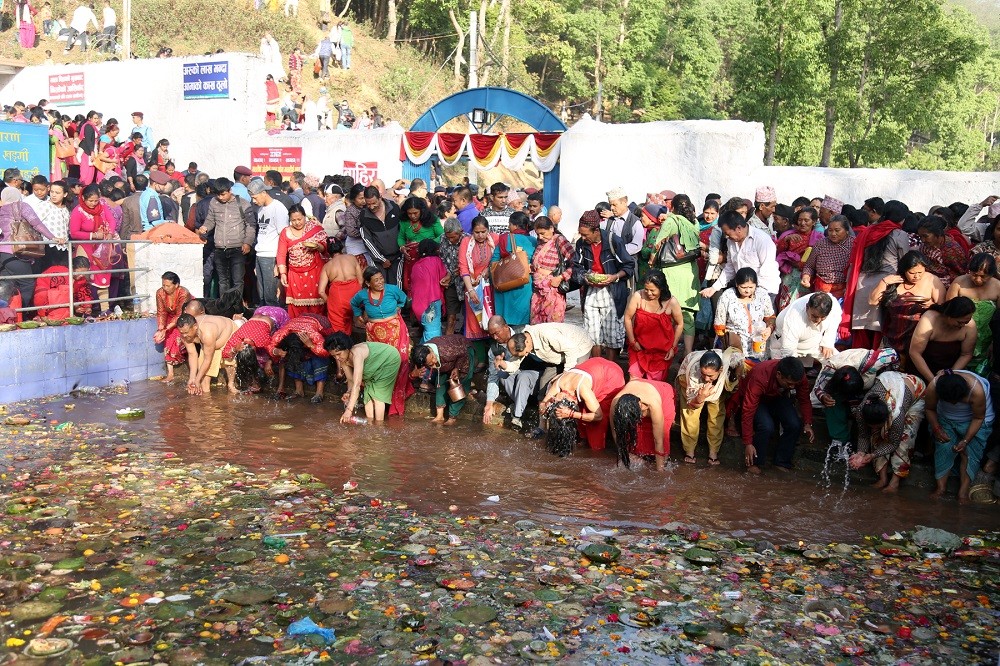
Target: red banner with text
<point x="66" y="89"/>
<point x="284" y="160"/>
<point x="361" y="172"/>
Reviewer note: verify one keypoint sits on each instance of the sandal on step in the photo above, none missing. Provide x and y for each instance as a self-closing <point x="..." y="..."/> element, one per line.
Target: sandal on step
<point x="714" y="461"/>
<point x="690" y="459"/>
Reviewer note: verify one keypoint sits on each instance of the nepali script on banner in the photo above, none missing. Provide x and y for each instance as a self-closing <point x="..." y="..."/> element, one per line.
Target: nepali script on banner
<point x="485" y="150"/>
<point x="25" y="146"/>
<point x="361" y="172"/>
<point x="67" y="89"/>
<point x="206" y="80"/>
<point x="284" y="160"/>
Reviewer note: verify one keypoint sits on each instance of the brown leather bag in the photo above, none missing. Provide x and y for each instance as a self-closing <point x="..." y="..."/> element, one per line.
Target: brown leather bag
<point x="513" y="269"/>
<point x="20" y="233"/>
<point x="65" y="148"/>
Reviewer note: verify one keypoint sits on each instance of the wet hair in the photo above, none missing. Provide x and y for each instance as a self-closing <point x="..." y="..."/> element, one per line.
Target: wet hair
<point x="295" y="352"/>
<point x="561" y="435"/>
<point x="520" y="341"/>
<point x="520" y="220"/>
<point x="960" y="306"/>
<point x="710" y="359"/>
<point x="874" y="411"/>
<point x="744" y="275"/>
<point x="821" y="302"/>
<point x="369" y="273"/>
<point x="542" y="222"/>
<point x="427" y="248"/>
<point x="420" y="355"/>
<point x="732" y="220"/>
<point x="681" y="205"/>
<point x="659" y="280"/>
<point x="933" y="224"/>
<point x="248" y="370"/>
<point x="338" y="341"/>
<point x="171" y="276"/>
<point x="846" y="383"/>
<point x="480" y="221"/>
<point x="983" y="261"/>
<point x="952" y="387"/>
<point x="791" y="368"/>
<point x="625" y="421"/>
<point x="909" y="261"/>
<point x="186" y="320"/>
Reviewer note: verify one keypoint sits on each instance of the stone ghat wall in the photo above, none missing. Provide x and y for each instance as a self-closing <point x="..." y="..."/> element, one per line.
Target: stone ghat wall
<point x="47" y="361"/>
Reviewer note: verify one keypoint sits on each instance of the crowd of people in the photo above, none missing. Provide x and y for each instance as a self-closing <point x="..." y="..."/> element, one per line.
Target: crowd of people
<point x="80" y="25"/>
<point x="752" y="311"/>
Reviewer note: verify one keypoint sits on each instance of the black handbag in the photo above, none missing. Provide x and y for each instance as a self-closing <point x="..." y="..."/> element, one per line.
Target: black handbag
<point x="566" y="285"/>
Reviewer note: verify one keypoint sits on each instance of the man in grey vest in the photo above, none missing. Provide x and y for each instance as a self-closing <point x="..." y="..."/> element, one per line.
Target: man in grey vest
<point x="624" y="223"/>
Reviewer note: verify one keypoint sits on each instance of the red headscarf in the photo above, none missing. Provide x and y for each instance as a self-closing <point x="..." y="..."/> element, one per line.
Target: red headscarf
<point x="867" y="236"/>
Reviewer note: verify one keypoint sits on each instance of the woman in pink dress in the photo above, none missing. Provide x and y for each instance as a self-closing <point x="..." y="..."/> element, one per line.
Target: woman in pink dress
<point x="92" y="220"/>
<point x="26" y="23"/>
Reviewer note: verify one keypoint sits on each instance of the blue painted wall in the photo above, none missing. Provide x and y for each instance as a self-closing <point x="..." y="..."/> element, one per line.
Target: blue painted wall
<point x="49" y="361"/>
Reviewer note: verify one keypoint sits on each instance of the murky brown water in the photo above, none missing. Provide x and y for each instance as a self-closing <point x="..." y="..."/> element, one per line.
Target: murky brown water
<point x="432" y="467"/>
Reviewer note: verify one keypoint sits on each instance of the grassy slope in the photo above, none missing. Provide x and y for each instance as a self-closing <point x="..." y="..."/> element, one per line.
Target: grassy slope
<point x="398" y="79"/>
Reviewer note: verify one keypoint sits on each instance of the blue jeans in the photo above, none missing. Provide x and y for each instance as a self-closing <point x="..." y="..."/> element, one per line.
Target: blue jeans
<point x="771" y="413"/>
<point x="345" y="56"/>
<point x="267" y="284"/>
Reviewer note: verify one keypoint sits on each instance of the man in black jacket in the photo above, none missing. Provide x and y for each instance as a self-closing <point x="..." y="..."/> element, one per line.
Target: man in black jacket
<point x="603" y="268"/>
<point x="380" y="233"/>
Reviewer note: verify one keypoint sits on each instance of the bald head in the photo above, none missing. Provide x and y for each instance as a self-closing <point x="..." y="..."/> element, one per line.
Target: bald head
<point x="555" y="214"/>
<point x="498" y="329"/>
<point x="195" y="307"/>
<point x="379" y="185"/>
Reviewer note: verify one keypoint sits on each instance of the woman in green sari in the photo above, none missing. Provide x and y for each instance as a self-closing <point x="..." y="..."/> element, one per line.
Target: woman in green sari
<point x="676" y="254"/>
<point x="982" y="286"/>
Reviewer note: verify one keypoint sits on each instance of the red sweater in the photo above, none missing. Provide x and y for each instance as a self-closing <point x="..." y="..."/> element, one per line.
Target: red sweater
<point x="763" y="382"/>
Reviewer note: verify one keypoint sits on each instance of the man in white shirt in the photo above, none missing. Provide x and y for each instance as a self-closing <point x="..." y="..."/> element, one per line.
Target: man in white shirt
<point x="272" y="217"/>
<point x="807" y="329"/>
<point x="746" y="246"/>
<point x="83" y="18"/>
<point x="624" y="223"/>
<point x="110" y="28"/>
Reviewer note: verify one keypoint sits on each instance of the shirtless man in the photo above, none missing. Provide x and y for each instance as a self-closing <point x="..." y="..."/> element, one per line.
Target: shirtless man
<point x="212" y="333"/>
<point x="340" y="280"/>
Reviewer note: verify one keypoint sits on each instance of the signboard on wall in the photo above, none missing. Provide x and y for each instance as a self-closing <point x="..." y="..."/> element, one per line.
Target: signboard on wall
<point x="361" y="172"/>
<point x="206" y="80"/>
<point x="66" y="89"/>
<point x="284" y="160"/>
<point x="25" y="146"/>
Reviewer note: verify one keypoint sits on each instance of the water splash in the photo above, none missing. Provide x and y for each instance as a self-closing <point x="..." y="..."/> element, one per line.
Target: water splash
<point x="837" y="452"/>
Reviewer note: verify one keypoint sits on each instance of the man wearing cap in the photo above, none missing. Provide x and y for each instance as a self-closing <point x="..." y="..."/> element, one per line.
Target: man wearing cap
<point x="764" y="204"/>
<point x="161" y="184"/>
<point x="829" y="208"/>
<point x="345" y="117"/>
<point x="145" y="130"/>
<point x="335" y="206"/>
<point x="623" y="222"/>
<point x="241" y="178"/>
<point x="235" y="235"/>
<point x="498" y="212"/>
<point x="272" y="217"/>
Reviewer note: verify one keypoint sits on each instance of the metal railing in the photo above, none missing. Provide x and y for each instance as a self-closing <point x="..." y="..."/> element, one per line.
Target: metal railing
<point x="71" y="275"/>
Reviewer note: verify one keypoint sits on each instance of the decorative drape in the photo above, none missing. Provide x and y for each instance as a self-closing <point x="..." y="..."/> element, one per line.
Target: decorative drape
<point x="486" y="150"/>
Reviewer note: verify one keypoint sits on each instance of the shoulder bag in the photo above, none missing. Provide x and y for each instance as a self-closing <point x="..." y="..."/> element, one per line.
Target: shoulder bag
<point x="21" y="232"/>
<point x="566" y="285"/>
<point x="65" y="148"/>
<point x="512" y="271"/>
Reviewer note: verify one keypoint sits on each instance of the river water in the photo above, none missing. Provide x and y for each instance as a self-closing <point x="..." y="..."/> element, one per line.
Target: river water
<point x="432" y="468"/>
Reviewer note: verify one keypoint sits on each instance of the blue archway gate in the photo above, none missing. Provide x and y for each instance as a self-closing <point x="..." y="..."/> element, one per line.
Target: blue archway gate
<point x="496" y="103"/>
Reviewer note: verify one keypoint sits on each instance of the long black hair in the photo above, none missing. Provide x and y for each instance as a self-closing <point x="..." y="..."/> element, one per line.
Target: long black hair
<point x="248" y="370"/>
<point x="561" y="435"/>
<point x="295" y="352"/>
<point x="628" y="414"/>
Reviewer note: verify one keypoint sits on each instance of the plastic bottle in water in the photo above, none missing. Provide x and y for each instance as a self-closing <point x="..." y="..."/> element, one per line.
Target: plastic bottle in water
<point x="358" y="420"/>
<point x="136" y="304"/>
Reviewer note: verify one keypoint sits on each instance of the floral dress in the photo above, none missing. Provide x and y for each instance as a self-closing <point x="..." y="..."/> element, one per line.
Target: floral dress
<point x="168" y="309"/>
<point x="742" y="318"/>
<point x="547" y="303"/>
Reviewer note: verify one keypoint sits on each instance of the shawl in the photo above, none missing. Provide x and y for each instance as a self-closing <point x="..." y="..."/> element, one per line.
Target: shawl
<point x="867" y="236"/>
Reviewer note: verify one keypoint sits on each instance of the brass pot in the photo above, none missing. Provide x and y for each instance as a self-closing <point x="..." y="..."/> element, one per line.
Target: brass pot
<point x="456" y="392"/>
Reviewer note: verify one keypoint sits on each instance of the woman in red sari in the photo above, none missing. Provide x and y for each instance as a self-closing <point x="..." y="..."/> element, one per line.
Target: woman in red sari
<point x="92" y="220"/>
<point x="580" y="399"/>
<point x="300" y="261"/>
<point x="170" y="301"/>
<point x="654" y="325"/>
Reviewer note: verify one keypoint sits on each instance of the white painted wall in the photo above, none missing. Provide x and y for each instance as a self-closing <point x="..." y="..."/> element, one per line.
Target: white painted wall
<point x="212" y="132"/>
<point x="325" y="152"/>
<point x="181" y="258"/>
